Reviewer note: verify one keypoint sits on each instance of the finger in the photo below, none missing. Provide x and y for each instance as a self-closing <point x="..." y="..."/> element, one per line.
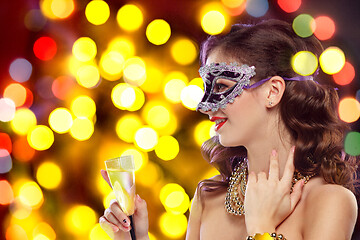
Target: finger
<point x="109" y="216"/>
<point x="289" y="167"/>
<point x="105" y="177"/>
<point x="107" y="226"/>
<point x="251" y="178"/>
<point x="140" y="207"/>
<point x="119" y="214"/>
<point x="274" y="165"/>
<point x="296" y="194"/>
<point x="261" y="176"/>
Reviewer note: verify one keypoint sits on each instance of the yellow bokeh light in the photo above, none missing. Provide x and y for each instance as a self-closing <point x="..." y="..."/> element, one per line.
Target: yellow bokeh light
<point x="82" y="129"/>
<point x="172" y="90"/>
<point x="45" y="230"/>
<point x="30" y="194"/>
<point x="197" y="82"/>
<point x="153" y="81"/>
<point x="304" y="63"/>
<point x="184" y="51"/>
<point x="80" y="219"/>
<point x="60" y="120"/>
<point x="84" y="49"/>
<point x="135" y="71"/>
<point x="129" y="17"/>
<point x="149" y="174"/>
<point x="83" y="106"/>
<point x="173" y="225"/>
<point x="167" y="148"/>
<point x="156" y="115"/>
<point x="23" y="121"/>
<point x="40" y="237"/>
<point x="49" y="175"/>
<point x="177" y="202"/>
<point x="125" y="47"/>
<point x="146" y="138"/>
<point x="203" y="131"/>
<point x="349" y="109"/>
<point x="62" y="8"/>
<point x="15" y="92"/>
<point x="140" y="158"/>
<point x="40" y="137"/>
<point x="112" y="65"/>
<point x="158" y="32"/>
<point x="127" y="126"/>
<point x="169" y="188"/>
<point x="88" y="76"/>
<point x="126" y="97"/>
<point x="97" y="12"/>
<point x="213" y="22"/>
<point x="332" y="60"/>
<point x="45" y="7"/>
<point x="191" y="96"/>
<point x="97" y="233"/>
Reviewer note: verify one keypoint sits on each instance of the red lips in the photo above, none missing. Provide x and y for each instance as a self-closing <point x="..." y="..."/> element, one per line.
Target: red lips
<point x="219" y="122"/>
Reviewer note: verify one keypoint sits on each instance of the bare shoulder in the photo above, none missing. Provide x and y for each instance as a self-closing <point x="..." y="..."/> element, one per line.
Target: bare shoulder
<point x="329" y="194"/>
<point x="332" y="209"/>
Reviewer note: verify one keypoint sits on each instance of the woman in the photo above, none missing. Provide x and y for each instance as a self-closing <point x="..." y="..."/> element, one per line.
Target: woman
<point x="263" y="110"/>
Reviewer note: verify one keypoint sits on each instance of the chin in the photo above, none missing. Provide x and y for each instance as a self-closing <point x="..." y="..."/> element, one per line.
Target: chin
<point x="226" y="143"/>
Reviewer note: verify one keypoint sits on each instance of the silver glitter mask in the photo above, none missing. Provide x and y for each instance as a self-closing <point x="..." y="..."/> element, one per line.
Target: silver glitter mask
<point x="213" y="100"/>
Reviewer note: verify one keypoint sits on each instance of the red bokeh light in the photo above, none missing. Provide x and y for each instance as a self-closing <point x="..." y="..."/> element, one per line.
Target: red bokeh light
<point x="346" y="74"/>
<point x="323" y="27"/>
<point x="45" y="48"/>
<point x="289" y="6"/>
<point x="62" y="86"/>
<point x="5" y="142"/>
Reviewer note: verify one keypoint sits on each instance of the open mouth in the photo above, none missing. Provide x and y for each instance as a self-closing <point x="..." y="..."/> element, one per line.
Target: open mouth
<point x="219" y="122"/>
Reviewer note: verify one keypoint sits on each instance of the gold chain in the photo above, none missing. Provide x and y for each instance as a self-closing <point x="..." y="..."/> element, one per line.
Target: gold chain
<point x="234" y="200"/>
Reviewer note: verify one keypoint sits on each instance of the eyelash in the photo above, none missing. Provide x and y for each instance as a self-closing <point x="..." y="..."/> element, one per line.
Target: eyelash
<point x="219" y="86"/>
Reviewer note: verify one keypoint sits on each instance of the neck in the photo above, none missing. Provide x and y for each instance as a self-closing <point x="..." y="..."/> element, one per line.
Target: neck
<point x="259" y="153"/>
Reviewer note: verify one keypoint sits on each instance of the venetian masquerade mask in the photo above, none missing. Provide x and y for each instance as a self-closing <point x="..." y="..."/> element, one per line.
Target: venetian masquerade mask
<point x="218" y="92"/>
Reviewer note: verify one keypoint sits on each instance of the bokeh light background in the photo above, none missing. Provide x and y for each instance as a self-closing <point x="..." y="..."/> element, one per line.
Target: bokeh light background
<point x="84" y="81"/>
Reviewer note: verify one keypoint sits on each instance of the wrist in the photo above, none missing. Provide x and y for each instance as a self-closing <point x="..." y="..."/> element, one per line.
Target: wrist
<point x="260" y="230"/>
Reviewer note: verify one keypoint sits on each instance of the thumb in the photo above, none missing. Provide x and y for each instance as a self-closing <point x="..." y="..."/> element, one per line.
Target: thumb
<point x="296" y="194"/>
<point x="105" y="177"/>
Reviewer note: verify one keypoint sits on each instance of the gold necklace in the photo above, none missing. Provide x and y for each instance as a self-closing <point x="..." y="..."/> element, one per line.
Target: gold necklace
<point x="234" y="200"/>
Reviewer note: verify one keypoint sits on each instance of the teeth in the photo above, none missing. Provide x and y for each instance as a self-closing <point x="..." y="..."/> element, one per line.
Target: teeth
<point x="220" y="121"/>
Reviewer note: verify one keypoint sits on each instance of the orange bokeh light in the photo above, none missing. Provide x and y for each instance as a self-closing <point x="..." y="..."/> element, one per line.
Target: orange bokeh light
<point x="346" y="74"/>
<point x="7" y="194"/>
<point x="289" y="6"/>
<point x="349" y="110"/>
<point x="22" y="150"/>
<point x="16" y="92"/>
<point x="62" y="86"/>
<point x="323" y="27"/>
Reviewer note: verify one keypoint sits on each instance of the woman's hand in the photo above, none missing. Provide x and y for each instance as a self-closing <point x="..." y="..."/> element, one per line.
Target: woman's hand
<point x="117" y="225"/>
<point x="267" y="199"/>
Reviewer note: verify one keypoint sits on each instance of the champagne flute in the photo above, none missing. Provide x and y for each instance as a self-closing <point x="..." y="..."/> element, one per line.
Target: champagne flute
<point x="121" y="172"/>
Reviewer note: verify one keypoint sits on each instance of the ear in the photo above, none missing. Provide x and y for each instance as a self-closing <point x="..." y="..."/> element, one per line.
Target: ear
<point x="275" y="91"/>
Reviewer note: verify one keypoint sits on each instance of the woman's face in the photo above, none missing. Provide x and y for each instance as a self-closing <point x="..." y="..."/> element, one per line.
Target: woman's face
<point x="239" y="123"/>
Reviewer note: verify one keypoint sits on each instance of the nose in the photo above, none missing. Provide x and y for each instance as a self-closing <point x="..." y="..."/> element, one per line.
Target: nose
<point x="208" y="112"/>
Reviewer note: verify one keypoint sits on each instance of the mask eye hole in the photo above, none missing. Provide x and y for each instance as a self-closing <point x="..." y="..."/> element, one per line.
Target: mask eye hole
<point x="222" y="85"/>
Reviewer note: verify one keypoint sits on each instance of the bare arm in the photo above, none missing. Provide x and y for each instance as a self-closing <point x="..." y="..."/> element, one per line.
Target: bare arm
<point x="331" y="212"/>
<point x="193" y="230"/>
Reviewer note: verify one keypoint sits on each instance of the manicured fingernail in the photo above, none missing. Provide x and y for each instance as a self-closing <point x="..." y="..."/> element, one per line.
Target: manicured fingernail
<point x="293" y="149"/>
<point x="126" y="223"/>
<point x="138" y="197"/>
<point x="273" y="152"/>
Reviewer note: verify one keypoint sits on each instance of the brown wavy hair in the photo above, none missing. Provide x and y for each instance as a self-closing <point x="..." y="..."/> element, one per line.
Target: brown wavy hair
<point x="308" y="109"/>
